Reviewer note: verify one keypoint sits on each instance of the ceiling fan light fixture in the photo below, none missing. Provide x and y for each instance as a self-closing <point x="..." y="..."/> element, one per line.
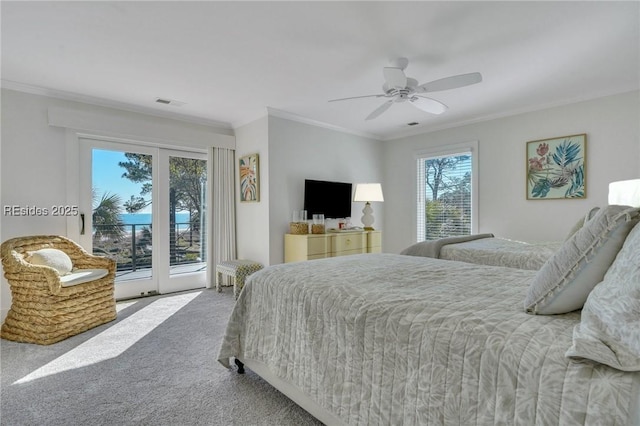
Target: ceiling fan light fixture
<point x="399" y="63"/>
<point x="395" y="77"/>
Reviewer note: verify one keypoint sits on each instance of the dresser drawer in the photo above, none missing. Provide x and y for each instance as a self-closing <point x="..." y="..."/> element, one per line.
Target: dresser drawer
<point x="317" y="244"/>
<point x="352" y="243"/>
<point x="305" y="247"/>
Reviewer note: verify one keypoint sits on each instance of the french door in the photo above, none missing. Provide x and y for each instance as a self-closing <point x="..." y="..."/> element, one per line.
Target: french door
<point x="145" y="207"/>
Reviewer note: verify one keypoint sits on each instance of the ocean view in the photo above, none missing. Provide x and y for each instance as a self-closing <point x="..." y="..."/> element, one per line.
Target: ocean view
<point x="145" y="218"/>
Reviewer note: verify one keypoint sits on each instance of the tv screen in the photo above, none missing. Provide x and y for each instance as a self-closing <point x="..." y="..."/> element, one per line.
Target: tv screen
<point x="333" y="199"/>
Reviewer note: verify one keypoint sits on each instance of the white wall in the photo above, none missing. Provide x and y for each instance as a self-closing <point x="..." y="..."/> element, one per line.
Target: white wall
<point x="613" y="153"/>
<point x="300" y="151"/>
<point x="252" y="218"/>
<point x="35" y="155"/>
<point x="290" y="152"/>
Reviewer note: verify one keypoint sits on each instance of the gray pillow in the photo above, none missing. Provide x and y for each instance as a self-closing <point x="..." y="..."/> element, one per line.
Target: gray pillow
<point x="582" y="221"/>
<point x="608" y="332"/>
<point x="563" y="283"/>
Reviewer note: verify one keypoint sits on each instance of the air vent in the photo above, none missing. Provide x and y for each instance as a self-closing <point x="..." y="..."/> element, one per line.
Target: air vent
<point x="171" y="102"/>
<point x="413" y="123"/>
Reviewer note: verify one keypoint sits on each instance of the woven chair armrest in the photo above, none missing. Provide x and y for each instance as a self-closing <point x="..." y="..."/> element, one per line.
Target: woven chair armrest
<point x="87" y="261"/>
<point x="91" y="261"/>
<point x="17" y="265"/>
<point x="84" y="260"/>
<point x="38" y="275"/>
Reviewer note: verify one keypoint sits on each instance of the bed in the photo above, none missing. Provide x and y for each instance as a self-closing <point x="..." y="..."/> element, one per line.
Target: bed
<point x="393" y="339"/>
<point x="485" y="249"/>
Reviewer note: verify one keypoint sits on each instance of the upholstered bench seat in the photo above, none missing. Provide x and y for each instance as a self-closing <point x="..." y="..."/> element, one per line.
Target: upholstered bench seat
<point x="238" y="270"/>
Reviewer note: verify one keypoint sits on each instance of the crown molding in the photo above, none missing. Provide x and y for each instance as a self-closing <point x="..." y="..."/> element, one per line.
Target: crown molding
<point x="512" y="113"/>
<point x="75" y="97"/>
<point x="274" y="112"/>
<point x="294" y="117"/>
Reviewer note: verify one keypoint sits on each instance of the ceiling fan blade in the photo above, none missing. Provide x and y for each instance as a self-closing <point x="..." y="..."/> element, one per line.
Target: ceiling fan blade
<point x="429" y="105"/>
<point x="395" y="77"/>
<point x="382" y="108"/>
<point x="358" y="97"/>
<point x="450" y="82"/>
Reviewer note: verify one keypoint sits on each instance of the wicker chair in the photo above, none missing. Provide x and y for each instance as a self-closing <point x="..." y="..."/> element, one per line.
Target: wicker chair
<point x="45" y="310"/>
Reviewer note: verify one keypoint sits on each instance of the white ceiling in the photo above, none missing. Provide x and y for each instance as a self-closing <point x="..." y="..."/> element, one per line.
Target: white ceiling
<point x="229" y="61"/>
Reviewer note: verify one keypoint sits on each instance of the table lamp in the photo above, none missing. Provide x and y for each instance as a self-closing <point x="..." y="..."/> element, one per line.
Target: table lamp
<point x="368" y="192"/>
<point x="625" y="193"/>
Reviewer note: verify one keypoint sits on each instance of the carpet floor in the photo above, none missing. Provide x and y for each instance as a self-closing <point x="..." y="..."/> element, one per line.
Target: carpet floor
<point x="154" y="365"/>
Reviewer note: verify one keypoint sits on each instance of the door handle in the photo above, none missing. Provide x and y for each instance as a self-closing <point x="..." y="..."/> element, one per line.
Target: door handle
<point x="82" y="224"/>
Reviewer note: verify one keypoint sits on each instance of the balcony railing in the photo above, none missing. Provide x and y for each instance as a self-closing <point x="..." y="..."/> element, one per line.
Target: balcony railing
<point x="131" y="245"/>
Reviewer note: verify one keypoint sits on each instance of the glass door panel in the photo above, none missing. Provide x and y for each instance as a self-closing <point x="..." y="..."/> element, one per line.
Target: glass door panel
<point x="186" y="231"/>
<point x="145" y="208"/>
<point x="121" y="219"/>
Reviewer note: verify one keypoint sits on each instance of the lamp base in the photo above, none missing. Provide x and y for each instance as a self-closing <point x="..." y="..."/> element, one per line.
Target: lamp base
<point x="367" y="217"/>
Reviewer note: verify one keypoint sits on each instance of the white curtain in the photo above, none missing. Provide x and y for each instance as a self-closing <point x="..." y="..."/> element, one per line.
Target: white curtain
<point x="222" y="220"/>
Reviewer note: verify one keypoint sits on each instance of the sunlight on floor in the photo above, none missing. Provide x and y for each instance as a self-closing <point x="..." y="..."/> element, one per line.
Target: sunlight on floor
<point x="116" y="339"/>
<point x="123" y="305"/>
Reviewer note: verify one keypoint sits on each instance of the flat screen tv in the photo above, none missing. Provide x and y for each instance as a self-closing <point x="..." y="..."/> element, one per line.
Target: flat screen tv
<point x="333" y="199"/>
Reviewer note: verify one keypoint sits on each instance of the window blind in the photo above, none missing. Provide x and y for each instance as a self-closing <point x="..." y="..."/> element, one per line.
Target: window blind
<point x="444" y="206"/>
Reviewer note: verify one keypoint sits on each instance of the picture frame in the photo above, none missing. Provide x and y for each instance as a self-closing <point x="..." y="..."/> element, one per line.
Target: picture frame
<point x="556" y="168"/>
<point x="249" y="178"/>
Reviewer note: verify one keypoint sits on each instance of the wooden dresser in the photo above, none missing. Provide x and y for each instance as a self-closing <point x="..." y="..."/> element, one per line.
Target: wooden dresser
<point x="319" y="246"/>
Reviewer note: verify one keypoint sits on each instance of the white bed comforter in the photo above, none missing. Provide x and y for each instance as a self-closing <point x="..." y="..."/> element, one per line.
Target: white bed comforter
<point x="501" y="252"/>
<point x="385" y="339"/>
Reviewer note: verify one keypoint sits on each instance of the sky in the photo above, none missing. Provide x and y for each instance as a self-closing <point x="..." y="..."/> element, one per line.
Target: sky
<point x="107" y="176"/>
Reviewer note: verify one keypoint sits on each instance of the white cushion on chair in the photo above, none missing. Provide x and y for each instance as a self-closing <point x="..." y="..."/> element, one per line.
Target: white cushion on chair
<point x="80" y="276"/>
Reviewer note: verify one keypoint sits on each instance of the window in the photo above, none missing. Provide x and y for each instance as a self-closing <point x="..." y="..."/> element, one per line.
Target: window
<point x="446" y="182"/>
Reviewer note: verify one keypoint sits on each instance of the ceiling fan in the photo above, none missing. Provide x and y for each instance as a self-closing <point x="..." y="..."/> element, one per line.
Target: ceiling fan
<point x="400" y="88"/>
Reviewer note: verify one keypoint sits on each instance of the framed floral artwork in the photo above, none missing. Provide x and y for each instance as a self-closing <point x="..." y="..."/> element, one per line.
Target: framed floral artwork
<point x="556" y="168"/>
<point x="249" y="178"/>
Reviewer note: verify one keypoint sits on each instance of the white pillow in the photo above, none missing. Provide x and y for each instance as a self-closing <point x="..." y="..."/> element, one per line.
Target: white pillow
<point x="563" y="283"/>
<point x="57" y="259"/>
<point x="609" y="330"/>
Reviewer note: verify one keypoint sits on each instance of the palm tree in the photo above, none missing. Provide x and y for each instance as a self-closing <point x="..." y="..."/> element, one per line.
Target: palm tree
<point x="106" y="216"/>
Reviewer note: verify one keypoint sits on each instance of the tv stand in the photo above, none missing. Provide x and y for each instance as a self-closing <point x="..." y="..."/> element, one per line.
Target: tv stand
<point x="320" y="246"/>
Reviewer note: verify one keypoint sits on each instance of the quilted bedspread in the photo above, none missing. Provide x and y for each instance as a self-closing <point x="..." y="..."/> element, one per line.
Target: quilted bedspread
<point x="501" y="252"/>
<point x="384" y="339"/>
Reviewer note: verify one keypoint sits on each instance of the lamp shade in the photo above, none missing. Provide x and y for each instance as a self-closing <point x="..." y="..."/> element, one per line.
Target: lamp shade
<point x="368" y="192"/>
<point x="625" y="193"/>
